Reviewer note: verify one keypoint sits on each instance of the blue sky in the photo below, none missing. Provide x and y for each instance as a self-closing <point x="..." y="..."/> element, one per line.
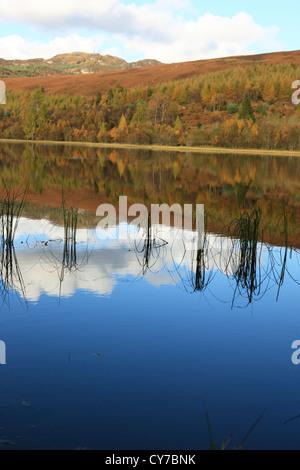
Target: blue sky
<point x="167" y="30"/>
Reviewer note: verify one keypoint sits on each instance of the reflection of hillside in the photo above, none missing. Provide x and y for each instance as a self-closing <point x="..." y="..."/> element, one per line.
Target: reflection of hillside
<point x="93" y="176"/>
<point x="273" y="227"/>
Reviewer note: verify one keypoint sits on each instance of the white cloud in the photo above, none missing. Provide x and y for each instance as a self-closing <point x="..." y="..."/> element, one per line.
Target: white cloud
<point x="15" y="47"/>
<point x="156" y="30"/>
<point x="208" y="37"/>
<point x="53" y="12"/>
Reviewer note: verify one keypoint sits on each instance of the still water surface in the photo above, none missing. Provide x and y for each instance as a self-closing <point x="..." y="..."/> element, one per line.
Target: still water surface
<point x="117" y="345"/>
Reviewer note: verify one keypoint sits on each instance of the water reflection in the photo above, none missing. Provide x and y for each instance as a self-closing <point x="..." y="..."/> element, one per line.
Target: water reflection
<point x="11" y="207"/>
<point x="149" y="247"/>
<point x="225" y="184"/>
<point x="58" y="261"/>
<point x="11" y="278"/>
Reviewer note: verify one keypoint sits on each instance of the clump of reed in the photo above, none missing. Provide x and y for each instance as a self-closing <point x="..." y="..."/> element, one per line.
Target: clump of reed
<point x="70" y="216"/>
<point x="246" y="231"/>
<point x="11" y="207"/>
<point x="200" y="277"/>
<point x="149" y="248"/>
<point x="10" y="272"/>
<point x="279" y="268"/>
<point x="225" y="445"/>
<point x="69" y="256"/>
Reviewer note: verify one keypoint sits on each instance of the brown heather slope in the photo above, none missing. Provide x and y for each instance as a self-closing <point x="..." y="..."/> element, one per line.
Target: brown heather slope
<point x="89" y="85"/>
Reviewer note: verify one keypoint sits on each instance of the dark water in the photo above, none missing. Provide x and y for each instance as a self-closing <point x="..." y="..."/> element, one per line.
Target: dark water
<point x="118" y="344"/>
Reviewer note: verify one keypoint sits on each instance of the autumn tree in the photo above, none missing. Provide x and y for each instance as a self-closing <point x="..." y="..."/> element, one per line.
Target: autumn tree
<point x="36" y="114"/>
<point x="246" y="111"/>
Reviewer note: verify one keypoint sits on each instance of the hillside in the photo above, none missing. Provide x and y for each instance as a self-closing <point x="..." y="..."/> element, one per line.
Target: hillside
<point x="90" y="84"/>
<point x="240" y="102"/>
<point x="77" y="63"/>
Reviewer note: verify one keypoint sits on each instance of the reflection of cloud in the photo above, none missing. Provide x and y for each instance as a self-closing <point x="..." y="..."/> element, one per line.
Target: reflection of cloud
<point x="31" y="230"/>
<point x="40" y="248"/>
<point x="41" y="273"/>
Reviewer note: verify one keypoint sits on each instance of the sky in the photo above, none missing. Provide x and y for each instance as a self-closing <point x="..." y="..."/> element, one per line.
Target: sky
<point x="166" y="30"/>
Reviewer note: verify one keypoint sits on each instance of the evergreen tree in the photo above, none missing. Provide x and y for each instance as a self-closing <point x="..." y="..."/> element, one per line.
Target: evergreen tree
<point x="98" y="99"/>
<point x="246" y="110"/>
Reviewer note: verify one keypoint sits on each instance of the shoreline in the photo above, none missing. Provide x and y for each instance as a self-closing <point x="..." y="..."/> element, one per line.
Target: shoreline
<point x="163" y="148"/>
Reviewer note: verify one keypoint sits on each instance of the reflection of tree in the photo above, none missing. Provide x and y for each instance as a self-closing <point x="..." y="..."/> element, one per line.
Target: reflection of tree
<point x="206" y="178"/>
<point x="241" y="190"/>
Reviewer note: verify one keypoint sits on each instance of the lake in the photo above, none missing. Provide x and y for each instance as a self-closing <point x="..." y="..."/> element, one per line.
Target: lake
<point x="131" y="343"/>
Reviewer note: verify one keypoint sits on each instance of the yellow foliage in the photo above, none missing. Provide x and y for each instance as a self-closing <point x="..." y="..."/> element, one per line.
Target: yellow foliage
<point x="255" y="130"/>
<point x="123" y="124"/>
<point x="121" y="167"/>
<point x="114" y="134"/>
<point x="241" y="126"/>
